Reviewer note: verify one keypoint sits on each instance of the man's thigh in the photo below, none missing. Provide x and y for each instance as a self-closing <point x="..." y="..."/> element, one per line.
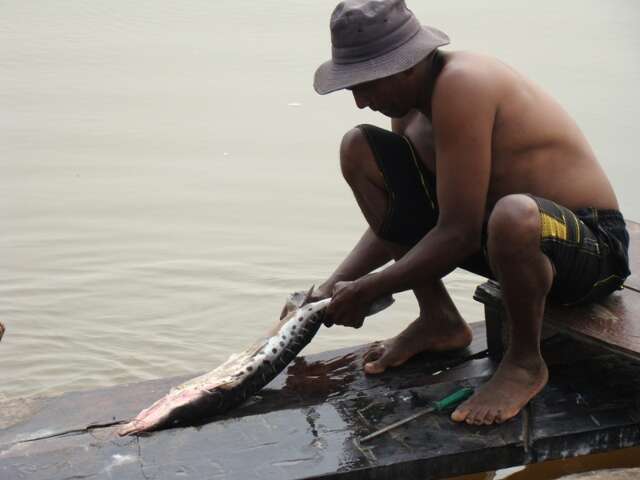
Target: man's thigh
<point x="412" y="208"/>
<point x="587" y="248"/>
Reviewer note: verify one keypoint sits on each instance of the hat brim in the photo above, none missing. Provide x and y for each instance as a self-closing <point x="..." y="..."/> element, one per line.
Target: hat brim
<point x="330" y="76"/>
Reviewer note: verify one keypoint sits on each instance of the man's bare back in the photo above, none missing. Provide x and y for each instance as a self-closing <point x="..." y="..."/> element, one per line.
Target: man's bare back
<point x="536" y="146"/>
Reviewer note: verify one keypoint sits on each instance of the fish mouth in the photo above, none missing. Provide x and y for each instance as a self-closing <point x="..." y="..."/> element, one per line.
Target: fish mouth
<point x="132" y="427"/>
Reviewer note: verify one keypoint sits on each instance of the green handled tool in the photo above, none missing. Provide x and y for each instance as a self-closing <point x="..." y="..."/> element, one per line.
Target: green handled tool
<point x="449" y="401"/>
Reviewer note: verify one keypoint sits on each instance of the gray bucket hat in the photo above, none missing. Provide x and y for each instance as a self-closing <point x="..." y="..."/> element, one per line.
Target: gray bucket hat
<point x="372" y="39"/>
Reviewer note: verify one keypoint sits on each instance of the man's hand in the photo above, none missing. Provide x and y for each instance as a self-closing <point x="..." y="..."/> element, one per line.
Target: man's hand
<point x="349" y="304"/>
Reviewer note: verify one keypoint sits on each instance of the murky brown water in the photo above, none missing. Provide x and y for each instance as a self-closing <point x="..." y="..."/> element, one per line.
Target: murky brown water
<point x="168" y="174"/>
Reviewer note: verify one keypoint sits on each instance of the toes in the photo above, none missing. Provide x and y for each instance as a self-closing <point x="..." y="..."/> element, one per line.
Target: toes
<point x="469" y="418"/>
<point x="480" y="410"/>
<point x="478" y="415"/>
<point x="486" y="416"/>
<point x="386" y="357"/>
<point x="375" y="367"/>
<point x="470" y="413"/>
<point x="374" y="353"/>
<point x="490" y="416"/>
<point x="378" y="365"/>
<point x="376" y="360"/>
<point x="460" y="414"/>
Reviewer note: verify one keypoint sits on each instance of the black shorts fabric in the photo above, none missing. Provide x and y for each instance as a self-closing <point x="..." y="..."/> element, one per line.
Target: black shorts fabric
<point x="588" y="248"/>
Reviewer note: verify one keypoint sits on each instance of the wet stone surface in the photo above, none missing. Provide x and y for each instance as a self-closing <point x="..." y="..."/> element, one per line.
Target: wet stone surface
<point x="307" y="423"/>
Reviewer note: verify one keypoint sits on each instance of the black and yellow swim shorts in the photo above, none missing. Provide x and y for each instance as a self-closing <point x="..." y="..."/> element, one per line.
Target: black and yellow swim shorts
<point x="587" y="247"/>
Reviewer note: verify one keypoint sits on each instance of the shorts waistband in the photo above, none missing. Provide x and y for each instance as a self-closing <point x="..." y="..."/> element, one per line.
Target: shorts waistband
<point x="600" y="216"/>
<point x="601" y="213"/>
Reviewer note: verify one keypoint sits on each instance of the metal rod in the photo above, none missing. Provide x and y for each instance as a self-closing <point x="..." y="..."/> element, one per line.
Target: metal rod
<point x="448" y="401"/>
<point x="397" y="424"/>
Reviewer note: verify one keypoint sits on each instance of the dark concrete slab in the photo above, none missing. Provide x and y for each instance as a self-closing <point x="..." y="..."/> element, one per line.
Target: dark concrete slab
<point x="589" y="406"/>
<point x="307" y="423"/>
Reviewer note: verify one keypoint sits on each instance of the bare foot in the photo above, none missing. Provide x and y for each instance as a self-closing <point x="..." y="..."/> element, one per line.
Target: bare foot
<point x="505" y="394"/>
<point x="420" y="336"/>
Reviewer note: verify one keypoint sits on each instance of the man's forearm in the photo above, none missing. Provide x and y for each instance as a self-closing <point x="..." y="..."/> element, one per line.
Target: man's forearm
<point x="367" y="255"/>
<point x="438" y="253"/>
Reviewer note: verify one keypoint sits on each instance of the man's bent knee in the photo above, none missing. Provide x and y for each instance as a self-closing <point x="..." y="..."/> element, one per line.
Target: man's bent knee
<point x="514" y="225"/>
<point x="356" y="157"/>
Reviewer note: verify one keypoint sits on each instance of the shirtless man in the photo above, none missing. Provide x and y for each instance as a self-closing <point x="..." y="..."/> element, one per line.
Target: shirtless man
<point x="482" y="170"/>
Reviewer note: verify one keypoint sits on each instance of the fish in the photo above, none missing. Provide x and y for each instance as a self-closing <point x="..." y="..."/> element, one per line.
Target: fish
<point x="243" y="374"/>
<point x="2" y="330"/>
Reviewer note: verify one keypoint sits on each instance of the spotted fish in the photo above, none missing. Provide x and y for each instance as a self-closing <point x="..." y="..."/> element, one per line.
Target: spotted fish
<point x="243" y="374"/>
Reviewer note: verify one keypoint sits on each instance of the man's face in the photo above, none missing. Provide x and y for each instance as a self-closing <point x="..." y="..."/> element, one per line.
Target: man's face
<point x="385" y="95"/>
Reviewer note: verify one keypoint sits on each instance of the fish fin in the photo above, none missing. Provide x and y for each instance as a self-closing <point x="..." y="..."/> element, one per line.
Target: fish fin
<point x="294" y="301"/>
<point x="307" y="297"/>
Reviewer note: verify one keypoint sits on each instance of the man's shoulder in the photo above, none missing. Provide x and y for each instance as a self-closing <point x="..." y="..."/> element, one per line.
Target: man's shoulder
<point x="466" y="73"/>
<point x="467" y="85"/>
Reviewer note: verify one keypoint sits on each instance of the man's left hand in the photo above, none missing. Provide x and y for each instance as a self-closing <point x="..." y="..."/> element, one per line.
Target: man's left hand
<point x="349" y="305"/>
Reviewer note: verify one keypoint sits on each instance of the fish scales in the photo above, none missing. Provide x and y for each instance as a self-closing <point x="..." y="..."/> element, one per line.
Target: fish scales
<point x="241" y="376"/>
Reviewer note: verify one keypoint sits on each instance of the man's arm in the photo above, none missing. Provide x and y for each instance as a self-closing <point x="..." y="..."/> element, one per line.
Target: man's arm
<point x="367" y="255"/>
<point x="463" y="115"/>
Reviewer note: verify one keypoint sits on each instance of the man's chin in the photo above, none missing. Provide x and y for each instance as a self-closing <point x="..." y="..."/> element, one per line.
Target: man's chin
<point x="393" y="113"/>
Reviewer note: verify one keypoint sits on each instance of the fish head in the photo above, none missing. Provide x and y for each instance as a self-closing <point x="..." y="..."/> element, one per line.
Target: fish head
<point x="171" y="410"/>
